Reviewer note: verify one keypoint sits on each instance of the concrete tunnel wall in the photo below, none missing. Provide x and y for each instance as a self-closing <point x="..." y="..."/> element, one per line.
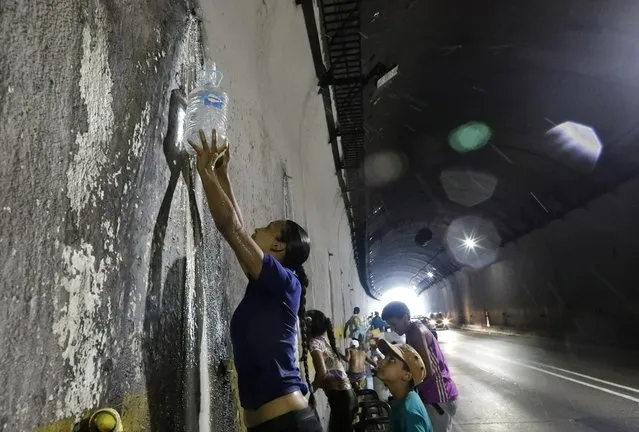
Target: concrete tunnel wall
<point x="576" y="278"/>
<point x="113" y="276"/>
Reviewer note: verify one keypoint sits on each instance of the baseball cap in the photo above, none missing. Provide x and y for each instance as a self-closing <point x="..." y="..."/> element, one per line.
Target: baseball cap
<point x="408" y="355"/>
<point x="355" y="343"/>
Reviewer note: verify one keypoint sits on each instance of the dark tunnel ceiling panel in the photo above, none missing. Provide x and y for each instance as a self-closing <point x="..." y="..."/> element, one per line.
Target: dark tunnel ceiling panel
<point x="520" y="67"/>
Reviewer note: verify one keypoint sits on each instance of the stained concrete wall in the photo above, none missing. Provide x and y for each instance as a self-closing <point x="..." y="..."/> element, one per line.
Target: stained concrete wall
<point x="115" y="285"/>
<point x="576" y="278"/>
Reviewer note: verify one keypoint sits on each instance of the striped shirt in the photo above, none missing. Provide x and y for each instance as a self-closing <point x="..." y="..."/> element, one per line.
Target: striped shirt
<point x="438" y="387"/>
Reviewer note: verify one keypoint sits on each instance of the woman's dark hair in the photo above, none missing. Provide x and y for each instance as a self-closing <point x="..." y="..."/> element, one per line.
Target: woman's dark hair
<point x="298" y="247"/>
<point x="320" y="324"/>
<point x="395" y="310"/>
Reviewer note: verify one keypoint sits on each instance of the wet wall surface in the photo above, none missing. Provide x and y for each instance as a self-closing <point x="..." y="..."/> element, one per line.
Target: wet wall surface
<point x="97" y="216"/>
<point x="115" y="284"/>
<point x="574" y="279"/>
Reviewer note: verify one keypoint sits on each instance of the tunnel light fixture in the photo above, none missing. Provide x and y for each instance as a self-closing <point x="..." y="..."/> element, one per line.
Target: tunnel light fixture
<point x="430" y="274"/>
<point x="473" y="241"/>
<point x="470" y="243"/>
<point x="388" y="76"/>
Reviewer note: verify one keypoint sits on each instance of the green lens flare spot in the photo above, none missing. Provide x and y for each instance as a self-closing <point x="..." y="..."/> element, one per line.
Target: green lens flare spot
<point x="470" y="136"/>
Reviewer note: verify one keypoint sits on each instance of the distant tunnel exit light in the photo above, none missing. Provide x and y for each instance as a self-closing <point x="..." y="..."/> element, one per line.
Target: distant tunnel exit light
<point x="406" y="295"/>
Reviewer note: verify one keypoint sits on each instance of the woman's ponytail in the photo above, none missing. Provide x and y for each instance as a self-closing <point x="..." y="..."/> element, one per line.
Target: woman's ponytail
<point x="301" y="276"/>
<point x="301" y="314"/>
<point x="298" y="247"/>
<point x="331" y="336"/>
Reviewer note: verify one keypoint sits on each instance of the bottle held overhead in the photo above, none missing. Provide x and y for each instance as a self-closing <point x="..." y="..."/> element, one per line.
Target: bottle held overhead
<point x="207" y="108"/>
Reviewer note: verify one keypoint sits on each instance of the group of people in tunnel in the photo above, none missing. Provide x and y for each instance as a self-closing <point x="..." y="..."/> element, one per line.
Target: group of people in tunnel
<point x="264" y="327"/>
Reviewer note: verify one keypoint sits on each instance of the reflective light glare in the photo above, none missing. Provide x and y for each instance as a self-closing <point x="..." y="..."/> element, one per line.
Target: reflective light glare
<point x="468" y="187"/>
<point x="383" y="168"/>
<point x="388" y="76"/>
<point x="575" y="145"/>
<point x="429" y="274"/>
<point x="406" y="295"/>
<point x="446" y="321"/>
<point x="180" y="130"/>
<point x="473" y="241"/>
<point x="470" y="136"/>
<point x="470" y="242"/>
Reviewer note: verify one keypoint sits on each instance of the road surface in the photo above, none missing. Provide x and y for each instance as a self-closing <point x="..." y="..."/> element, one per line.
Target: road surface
<point x="526" y="384"/>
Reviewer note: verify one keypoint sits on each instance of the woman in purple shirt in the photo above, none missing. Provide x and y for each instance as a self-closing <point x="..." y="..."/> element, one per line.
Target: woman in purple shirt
<point x="263" y="327"/>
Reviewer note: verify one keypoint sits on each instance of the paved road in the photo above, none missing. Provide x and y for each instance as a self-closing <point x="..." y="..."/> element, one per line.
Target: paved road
<point x="525" y="384"/>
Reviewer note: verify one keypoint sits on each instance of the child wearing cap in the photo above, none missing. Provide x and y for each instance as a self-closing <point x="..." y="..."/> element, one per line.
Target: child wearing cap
<point x="402" y="370"/>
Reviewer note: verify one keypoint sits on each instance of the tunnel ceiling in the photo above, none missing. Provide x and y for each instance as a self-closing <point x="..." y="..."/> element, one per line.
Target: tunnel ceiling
<point x="489" y="129"/>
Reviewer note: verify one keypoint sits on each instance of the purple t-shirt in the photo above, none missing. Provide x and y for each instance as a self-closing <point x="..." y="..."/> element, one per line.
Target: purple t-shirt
<point x="439" y="386"/>
<point x="263" y="330"/>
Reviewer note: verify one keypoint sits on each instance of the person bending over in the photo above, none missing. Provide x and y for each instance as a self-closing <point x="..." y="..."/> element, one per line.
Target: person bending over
<point x="264" y="325"/>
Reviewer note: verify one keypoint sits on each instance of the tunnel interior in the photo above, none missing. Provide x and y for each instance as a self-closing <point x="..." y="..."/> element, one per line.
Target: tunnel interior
<point x="492" y="164"/>
<point x="481" y="158"/>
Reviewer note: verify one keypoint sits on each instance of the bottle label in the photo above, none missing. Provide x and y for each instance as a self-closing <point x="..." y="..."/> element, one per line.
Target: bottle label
<point x="211" y="99"/>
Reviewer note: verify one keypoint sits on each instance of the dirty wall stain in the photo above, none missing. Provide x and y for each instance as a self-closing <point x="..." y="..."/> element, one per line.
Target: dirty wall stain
<point x="95" y="88"/>
<point x="81" y="328"/>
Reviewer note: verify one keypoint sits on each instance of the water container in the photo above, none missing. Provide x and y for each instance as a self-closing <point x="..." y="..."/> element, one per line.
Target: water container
<point x="206" y="109"/>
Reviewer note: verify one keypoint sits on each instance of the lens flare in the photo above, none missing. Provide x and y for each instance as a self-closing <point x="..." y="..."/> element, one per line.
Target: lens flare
<point x="470" y="136"/>
<point x="473" y="241"/>
<point x="573" y="144"/>
<point x="470" y="243"/>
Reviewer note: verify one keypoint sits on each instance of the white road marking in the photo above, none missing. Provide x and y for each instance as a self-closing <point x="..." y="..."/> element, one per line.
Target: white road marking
<point x="610" y="383"/>
<point x="589" y="377"/>
<point x="583" y="383"/>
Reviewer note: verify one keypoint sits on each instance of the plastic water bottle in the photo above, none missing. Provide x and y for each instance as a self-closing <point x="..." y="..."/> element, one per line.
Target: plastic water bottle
<point x="206" y="109"/>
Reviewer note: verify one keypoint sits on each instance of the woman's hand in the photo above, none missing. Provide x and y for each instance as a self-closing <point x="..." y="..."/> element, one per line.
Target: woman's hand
<point x="209" y="155"/>
<point x="222" y="164"/>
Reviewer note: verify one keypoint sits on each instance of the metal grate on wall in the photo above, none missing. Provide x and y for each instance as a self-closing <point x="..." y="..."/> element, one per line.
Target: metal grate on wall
<point x="341" y="38"/>
<point x="336" y="54"/>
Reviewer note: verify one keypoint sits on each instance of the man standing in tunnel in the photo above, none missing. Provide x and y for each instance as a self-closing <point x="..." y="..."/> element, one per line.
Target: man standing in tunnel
<point x="353" y="327"/>
<point x="377" y="322"/>
<point x="438" y="391"/>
